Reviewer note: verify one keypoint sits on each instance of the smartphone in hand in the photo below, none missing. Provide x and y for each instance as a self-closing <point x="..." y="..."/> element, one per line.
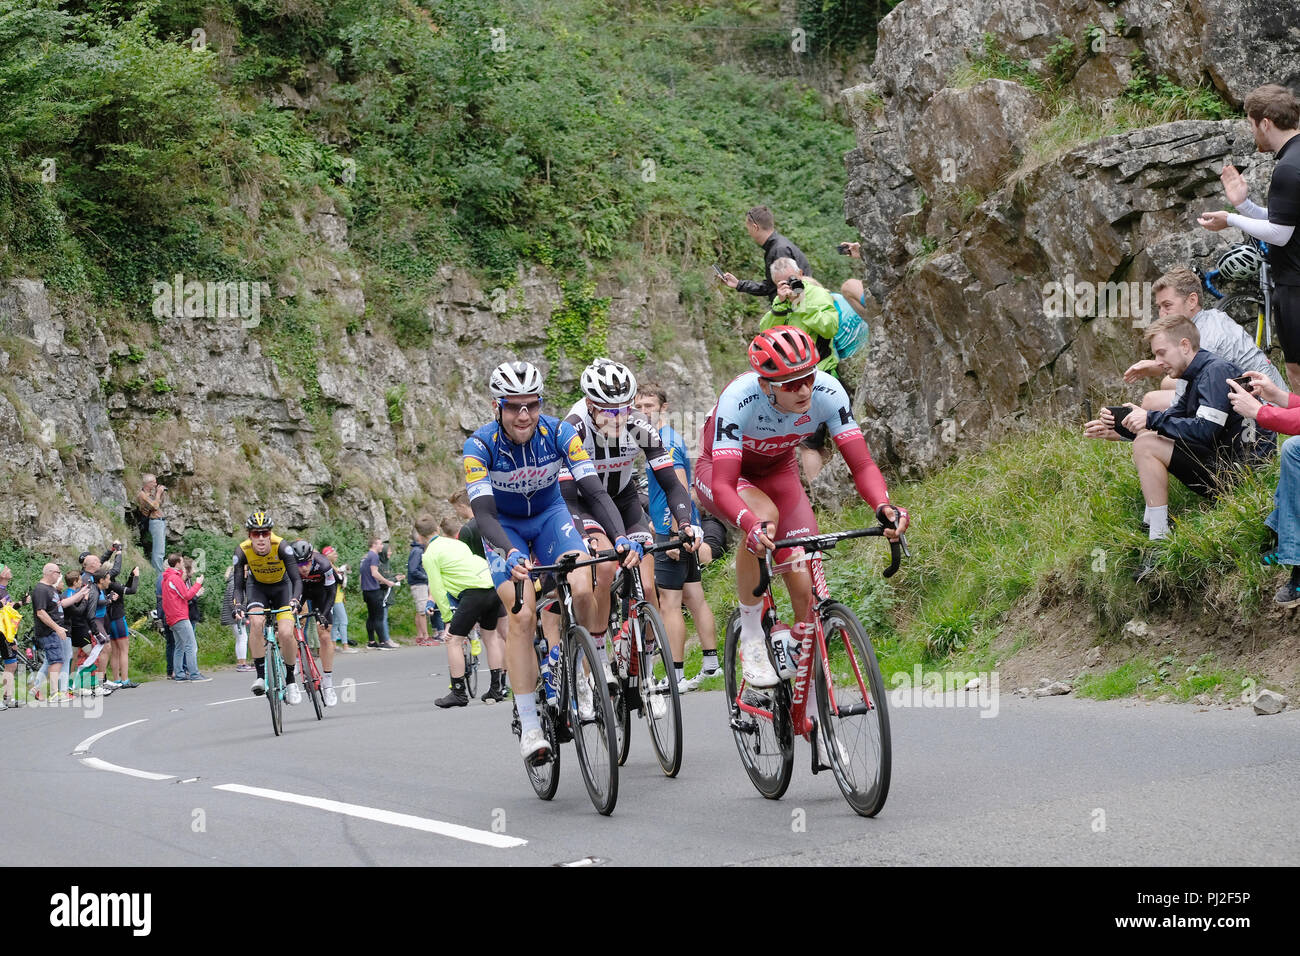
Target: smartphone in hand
<point x="1119" y="412"/>
<point x="718" y="272"/>
<point x="1244" y="381"/>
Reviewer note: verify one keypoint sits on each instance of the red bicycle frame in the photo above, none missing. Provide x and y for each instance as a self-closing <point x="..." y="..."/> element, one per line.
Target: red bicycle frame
<point x="803" y="723"/>
<point x="307" y="664"/>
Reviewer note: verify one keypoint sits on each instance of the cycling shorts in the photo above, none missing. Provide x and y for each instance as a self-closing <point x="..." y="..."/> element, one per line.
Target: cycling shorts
<point x="630" y="509"/>
<point x="117" y="628"/>
<point x="481" y="606"/>
<point x="544" y="536"/>
<point x="321" y="600"/>
<point x="1286" y="311"/>
<point x="781" y="485"/>
<point x="269" y="596"/>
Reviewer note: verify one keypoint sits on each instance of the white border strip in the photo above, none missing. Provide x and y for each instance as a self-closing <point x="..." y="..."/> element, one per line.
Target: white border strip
<point x="85" y="745"/>
<point x="142" y="774"/>
<point x="453" y="830"/>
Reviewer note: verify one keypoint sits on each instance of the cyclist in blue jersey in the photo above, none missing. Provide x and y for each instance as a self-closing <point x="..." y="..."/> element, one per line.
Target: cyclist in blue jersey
<point x="512" y="469"/>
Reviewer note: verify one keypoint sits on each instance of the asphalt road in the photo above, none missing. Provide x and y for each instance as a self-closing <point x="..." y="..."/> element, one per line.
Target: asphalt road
<point x="388" y="779"/>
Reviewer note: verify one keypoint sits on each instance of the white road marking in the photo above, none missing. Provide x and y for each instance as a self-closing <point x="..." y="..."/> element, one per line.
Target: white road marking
<point x="142" y="774"/>
<point x="85" y="745"/>
<point x="453" y="830"/>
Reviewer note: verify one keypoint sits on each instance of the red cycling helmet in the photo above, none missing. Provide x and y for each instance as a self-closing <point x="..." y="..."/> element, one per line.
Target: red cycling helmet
<point x="782" y="352"/>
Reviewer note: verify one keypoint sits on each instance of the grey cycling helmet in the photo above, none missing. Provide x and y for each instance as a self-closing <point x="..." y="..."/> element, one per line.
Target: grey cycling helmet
<point x="515" y="378"/>
<point x="301" y="550"/>
<point x="607" y="382"/>
<point x="1240" y="262"/>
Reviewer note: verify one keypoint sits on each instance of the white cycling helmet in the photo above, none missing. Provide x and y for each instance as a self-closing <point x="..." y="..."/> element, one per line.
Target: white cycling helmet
<point x="1240" y="262"/>
<point x="515" y="378"/>
<point x="607" y="382"/>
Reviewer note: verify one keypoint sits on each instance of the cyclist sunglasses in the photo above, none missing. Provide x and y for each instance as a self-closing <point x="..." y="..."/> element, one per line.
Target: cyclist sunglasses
<point x="259" y="534"/>
<point x="795" y="384"/>
<point x="518" y="408"/>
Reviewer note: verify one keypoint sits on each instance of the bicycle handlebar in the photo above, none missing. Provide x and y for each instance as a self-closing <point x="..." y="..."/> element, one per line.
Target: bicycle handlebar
<point x="824" y="542"/>
<point x="562" y="568"/>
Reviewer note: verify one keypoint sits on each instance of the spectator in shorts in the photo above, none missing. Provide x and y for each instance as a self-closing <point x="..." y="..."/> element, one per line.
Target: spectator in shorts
<point x="455" y="573"/>
<point x="1200" y="440"/>
<point x="49" y="630"/>
<point x="9" y="640"/>
<point x="419" y="584"/>
<point x="1274" y="115"/>
<point x="1179" y="292"/>
<point x="115" y="596"/>
<point x="177" y="595"/>
<point x="677" y="573"/>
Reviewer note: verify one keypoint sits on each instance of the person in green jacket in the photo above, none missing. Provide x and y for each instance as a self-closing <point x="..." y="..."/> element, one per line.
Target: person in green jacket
<point x="457" y="573"/>
<point x="805" y="304"/>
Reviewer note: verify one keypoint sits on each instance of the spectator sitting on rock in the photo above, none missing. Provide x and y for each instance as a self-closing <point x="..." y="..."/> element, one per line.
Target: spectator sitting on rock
<point x="761" y="226"/>
<point x="1199" y="439"/>
<point x="1179" y="292"/>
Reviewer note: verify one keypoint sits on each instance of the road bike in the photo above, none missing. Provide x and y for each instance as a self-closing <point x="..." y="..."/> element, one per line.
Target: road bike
<point x="275" y="669"/>
<point x="645" y="678"/>
<point x="1252" y="310"/>
<point x="308" y="672"/>
<point x="853" y="716"/>
<point x="582" y="711"/>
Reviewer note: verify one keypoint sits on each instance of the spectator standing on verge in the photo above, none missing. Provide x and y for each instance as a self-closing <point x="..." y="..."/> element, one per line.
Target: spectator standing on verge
<point x="761" y="226"/>
<point x="419" y="583"/>
<point x="8" y="640"/>
<point x="340" y="611"/>
<point x="373" y="583"/>
<point x="677" y="573"/>
<point x="238" y="628"/>
<point x="1283" y="416"/>
<point x="115" y="621"/>
<point x="176" y="605"/>
<point x="1274" y="115"/>
<point x="150" y="498"/>
<point x="49" y="631"/>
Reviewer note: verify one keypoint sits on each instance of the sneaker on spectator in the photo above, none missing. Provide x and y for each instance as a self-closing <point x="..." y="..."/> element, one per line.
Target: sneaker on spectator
<point x="244" y="668"/>
<point x="347" y="648"/>
<point x="112" y="683"/>
<point x="199" y="677"/>
<point x="390" y="645"/>
<point x="177" y="677"/>
<point x="128" y="683"/>
<point x="373" y="644"/>
<point x="1287" y="596"/>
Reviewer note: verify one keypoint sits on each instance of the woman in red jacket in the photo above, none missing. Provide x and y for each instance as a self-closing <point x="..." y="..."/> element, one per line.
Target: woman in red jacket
<point x="1283" y="417"/>
<point x="176" y="597"/>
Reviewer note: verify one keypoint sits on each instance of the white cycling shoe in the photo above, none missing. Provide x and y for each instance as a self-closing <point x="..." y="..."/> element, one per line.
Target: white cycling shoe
<point x="331" y="698"/>
<point x="533" y="746"/>
<point x="755" y="666"/>
<point x="823" y="755"/>
<point x="259" y="687"/>
<point x="658" y="704"/>
<point x="586" y="704"/>
<point x="292" y="695"/>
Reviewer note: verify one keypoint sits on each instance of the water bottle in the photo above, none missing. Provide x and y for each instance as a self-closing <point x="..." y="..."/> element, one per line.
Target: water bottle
<point x="550" y="676"/>
<point x="785" y="649"/>
<point x="475" y="646"/>
<point x="623" y="647"/>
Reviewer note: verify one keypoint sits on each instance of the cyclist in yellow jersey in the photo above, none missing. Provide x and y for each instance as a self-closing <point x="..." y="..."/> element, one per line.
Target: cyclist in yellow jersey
<point x="275" y="583"/>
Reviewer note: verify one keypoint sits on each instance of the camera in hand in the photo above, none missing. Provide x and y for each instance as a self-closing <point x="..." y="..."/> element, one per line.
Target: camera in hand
<point x="844" y="249"/>
<point x="796" y="284"/>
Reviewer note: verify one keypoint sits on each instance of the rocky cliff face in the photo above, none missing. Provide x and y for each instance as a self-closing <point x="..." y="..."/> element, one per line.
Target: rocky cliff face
<point x="964" y="232"/>
<point x="88" y="403"/>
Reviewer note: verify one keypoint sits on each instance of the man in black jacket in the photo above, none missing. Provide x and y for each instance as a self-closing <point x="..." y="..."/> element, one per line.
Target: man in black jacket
<point x="1199" y="439"/>
<point x="761" y="226"/>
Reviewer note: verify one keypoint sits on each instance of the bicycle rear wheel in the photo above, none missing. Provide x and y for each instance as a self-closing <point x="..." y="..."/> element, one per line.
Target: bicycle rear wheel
<point x="856" y="728"/>
<point x="660" y="700"/>
<point x="471" y="670"/>
<point x="763" y="734"/>
<point x="593" y="733"/>
<point x="275" y="687"/>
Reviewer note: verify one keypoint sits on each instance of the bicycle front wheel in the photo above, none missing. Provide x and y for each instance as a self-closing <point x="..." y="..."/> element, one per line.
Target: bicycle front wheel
<point x="591" y="715"/>
<point x="275" y="687"/>
<point x="760" y="722"/>
<point x="854" y="712"/>
<point x="661" y="702"/>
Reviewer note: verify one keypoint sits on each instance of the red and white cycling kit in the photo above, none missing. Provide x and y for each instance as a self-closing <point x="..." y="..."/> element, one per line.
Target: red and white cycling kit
<point x="749" y="442"/>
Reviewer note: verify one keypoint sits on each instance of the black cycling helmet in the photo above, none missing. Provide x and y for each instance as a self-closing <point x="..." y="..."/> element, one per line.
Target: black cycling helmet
<point x="259" y="521"/>
<point x="301" y="550"/>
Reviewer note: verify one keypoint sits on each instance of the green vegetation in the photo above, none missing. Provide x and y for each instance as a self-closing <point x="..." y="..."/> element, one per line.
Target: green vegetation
<point x="1168" y="676"/>
<point x="578" y="331"/>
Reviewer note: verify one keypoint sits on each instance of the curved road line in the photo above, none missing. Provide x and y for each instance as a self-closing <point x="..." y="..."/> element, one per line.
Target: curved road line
<point x="98" y="764"/>
<point x="85" y="745"/>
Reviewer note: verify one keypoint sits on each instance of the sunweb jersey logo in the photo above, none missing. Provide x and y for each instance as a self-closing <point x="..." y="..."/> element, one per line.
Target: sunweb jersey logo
<point x="78" y="909"/>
